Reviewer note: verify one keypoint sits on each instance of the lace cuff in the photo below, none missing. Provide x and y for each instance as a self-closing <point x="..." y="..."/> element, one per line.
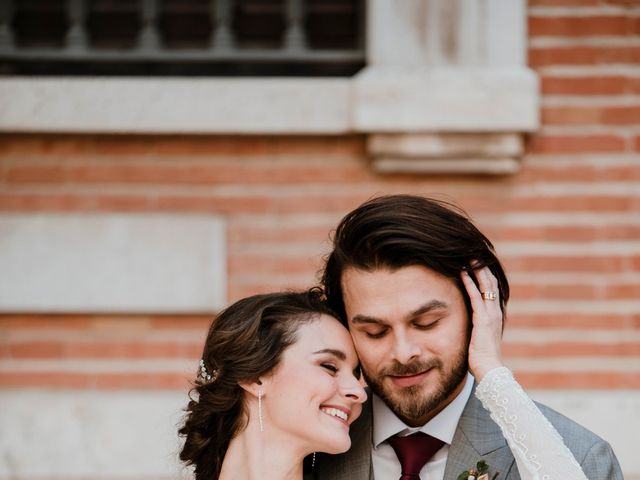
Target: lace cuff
<point x="537" y="447"/>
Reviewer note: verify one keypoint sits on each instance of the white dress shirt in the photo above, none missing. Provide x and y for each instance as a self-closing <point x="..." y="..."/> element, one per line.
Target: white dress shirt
<point x="385" y="424"/>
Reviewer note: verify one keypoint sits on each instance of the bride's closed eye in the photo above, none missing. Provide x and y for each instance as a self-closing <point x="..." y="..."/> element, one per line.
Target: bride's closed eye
<point x="330" y="367"/>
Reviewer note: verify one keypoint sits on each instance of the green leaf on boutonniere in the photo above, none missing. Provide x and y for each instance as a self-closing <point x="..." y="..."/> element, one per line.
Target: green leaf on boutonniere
<point x="464" y="475"/>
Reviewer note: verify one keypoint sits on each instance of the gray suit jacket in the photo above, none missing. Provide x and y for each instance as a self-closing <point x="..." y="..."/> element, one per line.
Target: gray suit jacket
<point x="477" y="437"/>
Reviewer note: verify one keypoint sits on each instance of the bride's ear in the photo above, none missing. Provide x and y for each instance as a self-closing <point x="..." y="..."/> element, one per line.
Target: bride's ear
<point x="256" y="388"/>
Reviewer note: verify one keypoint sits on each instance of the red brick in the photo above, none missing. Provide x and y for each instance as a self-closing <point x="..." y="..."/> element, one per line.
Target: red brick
<point x="188" y="174"/>
<point x="102" y="323"/>
<point x="570" y="349"/>
<point x="133" y="349"/>
<point x="95" y="381"/>
<point x="552" y="203"/>
<point x="277" y="234"/>
<point x="243" y="145"/>
<point x="584" y="55"/>
<point x="571" y="115"/>
<point x="48" y="380"/>
<point x="260" y="264"/>
<point x="535" y="173"/>
<point x="538" y="233"/>
<point x="627" y="115"/>
<point x="97" y="349"/>
<point x="36" y="174"/>
<point x="238" y="291"/>
<point x="563" y="3"/>
<point x="637" y="143"/>
<point x="590" y="85"/>
<point x="576" y="144"/>
<point x="33" y="349"/>
<point x="260" y="203"/>
<point x="565" y="263"/>
<point x="622" y="291"/>
<point x="183" y="322"/>
<point x="124" y="203"/>
<point x="560" y="233"/>
<point x="583" y="380"/>
<point x="14" y="202"/>
<point x="530" y="291"/>
<point x="43" y="322"/>
<point x="612" y="321"/>
<point x="600" y="25"/>
<point x="623" y="115"/>
<point x="624" y="3"/>
<point x="141" y="381"/>
<point x="145" y="146"/>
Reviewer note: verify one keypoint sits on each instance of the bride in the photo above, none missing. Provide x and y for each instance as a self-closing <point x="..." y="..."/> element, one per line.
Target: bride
<point x="279" y="380"/>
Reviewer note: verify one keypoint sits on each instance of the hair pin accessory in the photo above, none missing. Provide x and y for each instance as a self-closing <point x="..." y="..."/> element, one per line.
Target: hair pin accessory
<point x="205" y="376"/>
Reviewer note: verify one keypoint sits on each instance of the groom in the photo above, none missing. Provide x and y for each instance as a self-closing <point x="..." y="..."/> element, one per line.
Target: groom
<point x="394" y="278"/>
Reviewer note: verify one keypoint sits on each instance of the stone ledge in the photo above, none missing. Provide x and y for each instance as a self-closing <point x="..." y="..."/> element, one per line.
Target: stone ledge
<point x="376" y="100"/>
<point x="452" y="99"/>
<point x="170" y="105"/>
<point x="475" y="153"/>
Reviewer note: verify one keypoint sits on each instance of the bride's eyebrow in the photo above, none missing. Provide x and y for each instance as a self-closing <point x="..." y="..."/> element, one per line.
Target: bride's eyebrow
<point x="339" y="354"/>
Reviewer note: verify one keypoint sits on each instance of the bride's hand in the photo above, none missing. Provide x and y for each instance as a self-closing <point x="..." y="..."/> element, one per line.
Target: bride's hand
<point x="485" y="352"/>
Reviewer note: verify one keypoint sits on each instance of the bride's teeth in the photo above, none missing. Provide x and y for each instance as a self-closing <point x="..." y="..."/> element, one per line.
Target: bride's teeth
<point x="334" y="412"/>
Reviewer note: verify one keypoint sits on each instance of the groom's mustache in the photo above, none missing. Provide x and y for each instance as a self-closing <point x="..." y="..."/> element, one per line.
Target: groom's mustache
<point x="397" y="369"/>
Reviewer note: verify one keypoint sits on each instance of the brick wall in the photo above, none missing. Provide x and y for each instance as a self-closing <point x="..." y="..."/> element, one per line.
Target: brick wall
<point x="567" y="226"/>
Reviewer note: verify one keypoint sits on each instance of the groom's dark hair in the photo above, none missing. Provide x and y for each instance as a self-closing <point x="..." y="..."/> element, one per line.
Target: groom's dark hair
<point x="398" y="231"/>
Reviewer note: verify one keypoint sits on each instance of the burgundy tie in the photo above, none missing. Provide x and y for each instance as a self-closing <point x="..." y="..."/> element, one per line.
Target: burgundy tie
<point x="414" y="451"/>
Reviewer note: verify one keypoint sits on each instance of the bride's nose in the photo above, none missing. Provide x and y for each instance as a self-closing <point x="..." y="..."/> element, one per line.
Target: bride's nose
<point x="354" y="390"/>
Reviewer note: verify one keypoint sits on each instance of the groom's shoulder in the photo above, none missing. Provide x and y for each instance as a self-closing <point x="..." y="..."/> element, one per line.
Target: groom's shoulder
<point x="586" y="446"/>
<point x="569" y="430"/>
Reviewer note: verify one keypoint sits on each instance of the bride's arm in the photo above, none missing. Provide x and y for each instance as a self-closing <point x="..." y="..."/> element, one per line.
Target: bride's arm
<point x="537" y="447"/>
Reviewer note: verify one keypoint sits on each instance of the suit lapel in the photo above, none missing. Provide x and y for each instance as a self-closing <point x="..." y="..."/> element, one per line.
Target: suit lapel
<point x="477" y="437"/>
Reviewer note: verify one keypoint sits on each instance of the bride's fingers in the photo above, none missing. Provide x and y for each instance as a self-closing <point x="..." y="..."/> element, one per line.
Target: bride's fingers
<point x="489" y="292"/>
<point x="485" y="345"/>
<point x="477" y="304"/>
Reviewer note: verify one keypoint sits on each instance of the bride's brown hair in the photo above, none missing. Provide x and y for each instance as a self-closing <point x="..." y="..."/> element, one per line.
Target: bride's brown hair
<point x="244" y="342"/>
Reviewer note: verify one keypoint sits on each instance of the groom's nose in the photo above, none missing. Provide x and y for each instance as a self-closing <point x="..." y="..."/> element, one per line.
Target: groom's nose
<point x="405" y="348"/>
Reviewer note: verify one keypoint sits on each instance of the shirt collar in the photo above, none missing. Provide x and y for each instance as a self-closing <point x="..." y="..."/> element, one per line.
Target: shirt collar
<point x="442" y="426"/>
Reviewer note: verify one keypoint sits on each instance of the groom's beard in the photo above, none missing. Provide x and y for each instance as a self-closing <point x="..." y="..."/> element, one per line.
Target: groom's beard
<point x="411" y="404"/>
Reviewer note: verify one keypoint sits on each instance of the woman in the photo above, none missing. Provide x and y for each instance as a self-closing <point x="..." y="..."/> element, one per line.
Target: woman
<point x="279" y="380"/>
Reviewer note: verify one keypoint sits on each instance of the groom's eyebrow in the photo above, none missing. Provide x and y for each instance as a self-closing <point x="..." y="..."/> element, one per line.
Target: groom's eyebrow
<point x="432" y="305"/>
<point x="427" y="308"/>
<point x="367" y="319"/>
<point x="339" y="354"/>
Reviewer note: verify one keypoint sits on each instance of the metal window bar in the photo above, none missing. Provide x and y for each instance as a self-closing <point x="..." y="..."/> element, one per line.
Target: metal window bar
<point x="221" y="48"/>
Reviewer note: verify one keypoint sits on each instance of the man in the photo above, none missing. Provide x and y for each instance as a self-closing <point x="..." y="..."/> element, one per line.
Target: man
<point x="413" y="279"/>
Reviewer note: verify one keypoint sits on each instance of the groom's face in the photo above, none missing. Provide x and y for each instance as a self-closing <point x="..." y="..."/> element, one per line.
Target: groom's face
<point x="411" y="331"/>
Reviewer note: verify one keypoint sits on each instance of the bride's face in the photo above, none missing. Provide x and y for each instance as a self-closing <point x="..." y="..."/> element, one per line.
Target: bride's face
<point x="315" y="392"/>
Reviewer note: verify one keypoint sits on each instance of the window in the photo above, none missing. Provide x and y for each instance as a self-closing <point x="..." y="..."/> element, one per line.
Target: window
<point x="182" y="37"/>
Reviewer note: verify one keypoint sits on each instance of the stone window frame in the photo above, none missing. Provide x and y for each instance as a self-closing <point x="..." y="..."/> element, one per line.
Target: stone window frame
<point x="446" y="89"/>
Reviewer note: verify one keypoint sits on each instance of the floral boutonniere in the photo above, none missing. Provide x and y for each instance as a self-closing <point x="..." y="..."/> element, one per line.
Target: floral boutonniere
<point x="481" y="472"/>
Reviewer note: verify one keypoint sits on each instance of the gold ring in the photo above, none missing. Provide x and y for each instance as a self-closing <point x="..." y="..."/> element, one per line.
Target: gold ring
<point x="489" y="295"/>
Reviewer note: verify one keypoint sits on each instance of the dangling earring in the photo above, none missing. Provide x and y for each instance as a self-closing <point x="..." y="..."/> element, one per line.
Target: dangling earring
<point x="313" y="460"/>
<point x="260" y="393"/>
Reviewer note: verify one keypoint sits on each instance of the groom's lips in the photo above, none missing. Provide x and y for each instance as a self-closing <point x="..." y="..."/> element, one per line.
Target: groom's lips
<point x="404" y="381"/>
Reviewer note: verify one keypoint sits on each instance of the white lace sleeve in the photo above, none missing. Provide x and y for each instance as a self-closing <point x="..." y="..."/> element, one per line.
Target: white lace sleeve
<point x="537" y="447"/>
